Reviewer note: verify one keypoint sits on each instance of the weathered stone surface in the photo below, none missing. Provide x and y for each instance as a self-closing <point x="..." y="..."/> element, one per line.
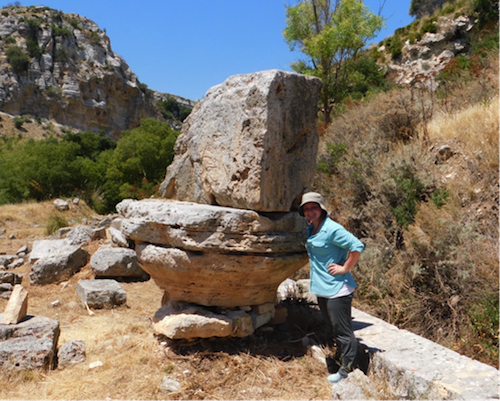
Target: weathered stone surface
<point x="100" y="294"/>
<point x="61" y="205"/>
<point x="423" y="59"/>
<point x="287" y="289"/>
<point x="17" y="307"/>
<point x="178" y="320"/>
<point x="217" y="279"/>
<point x="116" y="262"/>
<point x="5" y="260"/>
<point x="45" y="248"/>
<point x="169" y="385"/>
<point x="95" y="91"/>
<point x="117" y="237"/>
<point x="80" y="235"/>
<point x="242" y="323"/>
<point x="71" y="353"/>
<point x="15" y="264"/>
<point x="59" y="266"/>
<point x="251" y="143"/>
<point x="357" y="386"/>
<point x="10" y="277"/>
<point x="209" y="228"/>
<point x="30" y="344"/>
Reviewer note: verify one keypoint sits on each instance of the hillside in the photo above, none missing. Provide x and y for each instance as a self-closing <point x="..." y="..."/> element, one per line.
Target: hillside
<point x="60" y="67"/>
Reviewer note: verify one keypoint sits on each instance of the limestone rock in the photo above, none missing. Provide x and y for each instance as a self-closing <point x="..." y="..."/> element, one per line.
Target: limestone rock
<point x="217" y="279"/>
<point x="93" y="89"/>
<point x="61" y="205"/>
<point x="17" y="307"/>
<point x="287" y="289"/>
<point x="251" y="143"/>
<point x="422" y="60"/>
<point x="59" y="266"/>
<point x="117" y="263"/>
<point x="71" y="353"/>
<point x="177" y="320"/>
<point x="30" y="344"/>
<point x="45" y="248"/>
<point x="101" y="293"/>
<point x="169" y="385"/>
<point x="208" y="228"/>
<point x="80" y="235"/>
<point x="6" y="260"/>
<point x="357" y="386"/>
<point x="242" y="323"/>
<point x="6" y="290"/>
<point x="117" y="237"/>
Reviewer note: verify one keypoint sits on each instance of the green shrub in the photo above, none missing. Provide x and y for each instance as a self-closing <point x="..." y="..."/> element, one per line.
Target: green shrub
<point x="54" y="223"/>
<point x="75" y="24"/>
<point x="429" y="25"/>
<point x="487" y="10"/>
<point x="18" y="122"/>
<point x="485" y="322"/>
<point x="18" y="59"/>
<point x="53" y="92"/>
<point x="95" y="38"/>
<point x="60" y="30"/>
<point x="10" y="40"/>
<point x="329" y="164"/>
<point x="440" y="197"/>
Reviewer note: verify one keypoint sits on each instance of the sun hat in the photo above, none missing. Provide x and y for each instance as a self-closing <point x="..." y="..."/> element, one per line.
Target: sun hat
<point x="312" y="197"/>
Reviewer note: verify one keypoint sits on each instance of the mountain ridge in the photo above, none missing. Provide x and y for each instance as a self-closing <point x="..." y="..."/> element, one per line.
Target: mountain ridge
<point x="52" y="62"/>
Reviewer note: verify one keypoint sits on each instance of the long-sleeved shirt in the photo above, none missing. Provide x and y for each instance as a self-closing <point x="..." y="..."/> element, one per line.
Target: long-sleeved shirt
<point x="331" y="244"/>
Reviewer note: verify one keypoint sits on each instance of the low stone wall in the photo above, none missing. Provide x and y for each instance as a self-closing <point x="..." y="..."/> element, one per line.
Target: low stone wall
<point x="412" y="367"/>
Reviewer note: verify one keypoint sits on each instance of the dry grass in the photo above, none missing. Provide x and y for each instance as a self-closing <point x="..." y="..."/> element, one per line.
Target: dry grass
<point x="267" y="365"/>
<point x="27" y="222"/>
<point x="475" y="125"/>
<point x="436" y="274"/>
<point x="135" y="360"/>
<point x="31" y="128"/>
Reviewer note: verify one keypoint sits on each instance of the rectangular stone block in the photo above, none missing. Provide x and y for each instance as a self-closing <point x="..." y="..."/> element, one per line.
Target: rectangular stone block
<point x="17" y="307"/>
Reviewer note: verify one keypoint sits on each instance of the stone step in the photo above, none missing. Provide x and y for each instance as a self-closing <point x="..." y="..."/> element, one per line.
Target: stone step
<point x="414" y="367"/>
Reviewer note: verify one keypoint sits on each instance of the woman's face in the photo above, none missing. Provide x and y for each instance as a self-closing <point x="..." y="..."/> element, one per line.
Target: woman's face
<point x="312" y="212"/>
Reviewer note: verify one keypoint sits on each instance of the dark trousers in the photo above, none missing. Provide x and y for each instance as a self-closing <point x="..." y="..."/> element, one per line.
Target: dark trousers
<point x="337" y="312"/>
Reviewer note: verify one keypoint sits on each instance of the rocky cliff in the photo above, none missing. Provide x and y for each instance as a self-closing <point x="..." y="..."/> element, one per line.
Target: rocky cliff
<point x="61" y="67"/>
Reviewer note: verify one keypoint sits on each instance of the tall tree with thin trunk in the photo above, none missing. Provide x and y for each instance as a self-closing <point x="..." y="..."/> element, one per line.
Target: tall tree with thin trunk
<point x="329" y="33"/>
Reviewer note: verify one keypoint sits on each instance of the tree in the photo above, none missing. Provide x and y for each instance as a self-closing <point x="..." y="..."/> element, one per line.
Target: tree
<point x="329" y="33"/>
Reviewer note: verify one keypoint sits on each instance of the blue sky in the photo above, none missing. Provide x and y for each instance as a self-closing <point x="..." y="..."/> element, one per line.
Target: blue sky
<point x="184" y="47"/>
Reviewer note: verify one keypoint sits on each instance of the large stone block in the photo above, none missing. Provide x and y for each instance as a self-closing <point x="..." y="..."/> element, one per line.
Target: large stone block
<point x="105" y="293"/>
<point x="60" y="265"/>
<point x="176" y="321"/>
<point x="29" y="344"/>
<point x="207" y="228"/>
<point x="213" y="279"/>
<point x="251" y="143"/>
<point x="117" y="263"/>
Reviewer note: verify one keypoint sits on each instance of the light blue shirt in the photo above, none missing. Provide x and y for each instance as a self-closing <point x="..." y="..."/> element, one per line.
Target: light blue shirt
<point x="331" y="244"/>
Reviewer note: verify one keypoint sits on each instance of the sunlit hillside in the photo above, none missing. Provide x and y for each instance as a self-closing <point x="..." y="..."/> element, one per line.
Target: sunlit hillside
<point x="426" y="206"/>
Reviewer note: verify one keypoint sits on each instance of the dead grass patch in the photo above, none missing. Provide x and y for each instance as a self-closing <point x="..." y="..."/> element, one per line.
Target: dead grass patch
<point x="267" y="365"/>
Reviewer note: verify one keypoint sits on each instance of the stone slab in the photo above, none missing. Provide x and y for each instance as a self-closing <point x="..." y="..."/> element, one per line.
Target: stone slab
<point x="416" y="368"/>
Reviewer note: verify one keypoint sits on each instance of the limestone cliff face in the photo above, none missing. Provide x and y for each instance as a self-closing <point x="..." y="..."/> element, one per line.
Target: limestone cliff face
<point x="65" y="70"/>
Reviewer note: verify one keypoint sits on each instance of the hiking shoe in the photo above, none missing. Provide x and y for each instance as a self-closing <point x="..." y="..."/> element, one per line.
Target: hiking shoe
<point x="335" y="378"/>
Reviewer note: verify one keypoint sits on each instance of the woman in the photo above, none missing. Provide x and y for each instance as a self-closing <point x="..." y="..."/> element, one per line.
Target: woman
<point x="333" y="251"/>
